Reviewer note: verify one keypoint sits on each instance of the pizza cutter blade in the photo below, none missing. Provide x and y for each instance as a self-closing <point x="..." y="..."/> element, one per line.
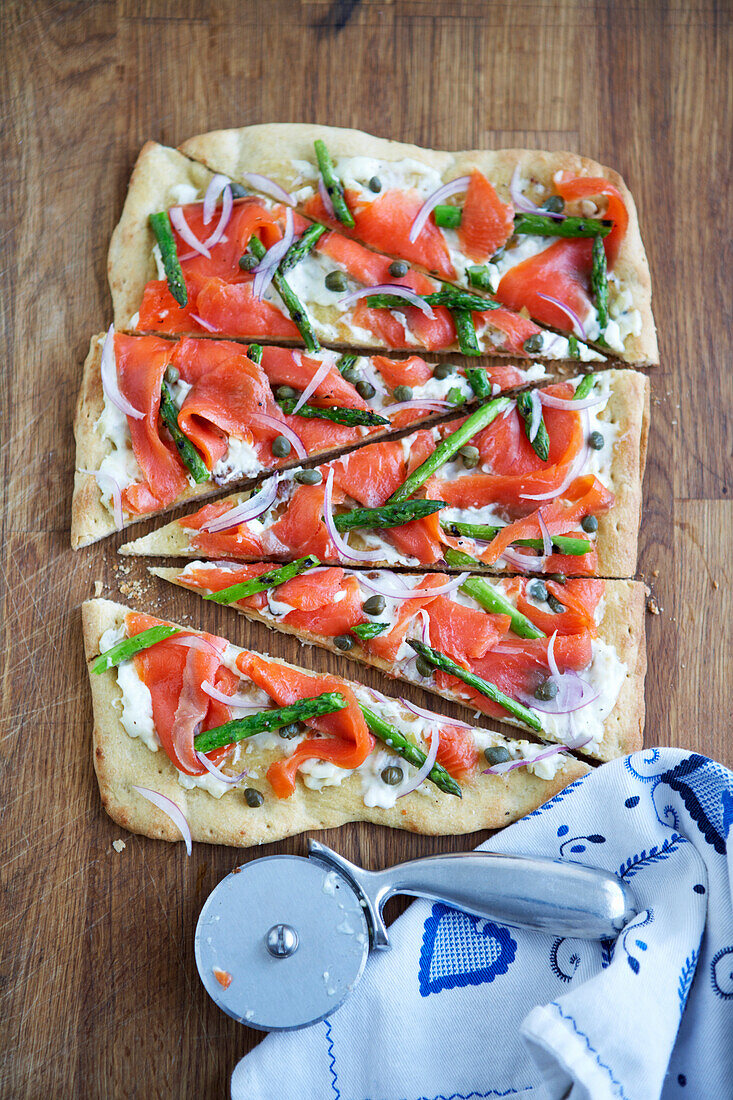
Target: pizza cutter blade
<point x="289" y="937"/>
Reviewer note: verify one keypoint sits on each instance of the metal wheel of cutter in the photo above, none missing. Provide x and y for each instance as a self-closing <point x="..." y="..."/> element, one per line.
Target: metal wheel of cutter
<point x="295" y="933"/>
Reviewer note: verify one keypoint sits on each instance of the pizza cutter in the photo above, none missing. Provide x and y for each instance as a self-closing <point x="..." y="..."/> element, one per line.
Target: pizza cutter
<point x="289" y="936"/>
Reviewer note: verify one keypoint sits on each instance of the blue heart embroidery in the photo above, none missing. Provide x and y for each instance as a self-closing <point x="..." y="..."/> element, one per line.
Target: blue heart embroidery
<point x="459" y="950"/>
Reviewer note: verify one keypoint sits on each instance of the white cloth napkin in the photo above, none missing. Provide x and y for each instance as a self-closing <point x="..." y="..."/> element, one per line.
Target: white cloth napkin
<point x="462" y="1009"/>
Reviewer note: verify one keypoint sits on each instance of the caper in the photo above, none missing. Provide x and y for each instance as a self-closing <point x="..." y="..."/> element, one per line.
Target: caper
<point x="402" y="393"/>
<point x="499" y="254"/>
<point x="595" y="440"/>
<point x="391" y="776"/>
<point x="344" y="642"/>
<point x="365" y="389"/>
<point x="309" y="477"/>
<point x="289" y="731"/>
<point x="497" y="754"/>
<point x="253" y="797"/>
<point x="238" y="192"/>
<point x="589" y="524"/>
<point x="336" y="280"/>
<point x="351" y="374"/>
<point x="443" y="370"/>
<point x="555" y="204"/>
<point x="281" y="446"/>
<point x="546" y="690"/>
<point x="537" y="590"/>
<point x="533" y="343"/>
<point x="398" y="268"/>
<point x="248" y="262"/>
<point x="375" y="605"/>
<point x="172" y="374"/>
<point x="283" y="392"/>
<point x="555" y="604"/>
<point x="424" y="667"/>
<point x="558" y="578"/>
<point x="470" y="456"/>
<point x="375" y="184"/>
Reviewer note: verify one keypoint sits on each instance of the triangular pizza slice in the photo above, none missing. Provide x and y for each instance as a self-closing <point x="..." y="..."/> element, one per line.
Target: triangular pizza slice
<point x="194" y="736"/>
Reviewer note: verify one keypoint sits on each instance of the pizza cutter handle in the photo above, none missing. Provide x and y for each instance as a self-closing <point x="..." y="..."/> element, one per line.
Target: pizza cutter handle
<point x="553" y="896"/>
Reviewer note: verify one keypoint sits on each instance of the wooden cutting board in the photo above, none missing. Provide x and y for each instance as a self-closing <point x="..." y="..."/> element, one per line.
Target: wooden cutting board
<point x="100" y="994"/>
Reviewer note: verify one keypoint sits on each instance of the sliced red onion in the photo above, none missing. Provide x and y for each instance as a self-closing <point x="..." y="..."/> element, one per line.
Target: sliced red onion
<point x="554" y="345"/>
<point x="371" y="374"/>
<point x="204" y="324"/>
<point x="523" y="561"/>
<point x="326" y="198"/>
<point x="395" y="289"/>
<point x="569" y="403"/>
<point x="342" y="547"/>
<point x="413" y="593"/>
<point x="108" y="371"/>
<point x="215" y="188"/>
<point x="425" y="621"/>
<point x="425" y="770"/>
<point x="230" y="780"/>
<point x="575" y="321"/>
<point x="546" y="539"/>
<point x="536" y="418"/>
<point x="525" y="205"/>
<point x="167" y="806"/>
<point x="227" y="700"/>
<point x="268" y="187"/>
<point x="227" y="205"/>
<point x="435" y="404"/>
<point x="454" y="187"/>
<point x="196" y="641"/>
<point x="248" y="509"/>
<point x="510" y="765"/>
<point x="313" y="385"/>
<point x="433" y="717"/>
<point x="113" y="485"/>
<point x="268" y="264"/>
<point x="179" y="223"/>
<point x="509" y="410"/>
<point x="574" y="470"/>
<point x="575" y="696"/>
<point x="282" y="429"/>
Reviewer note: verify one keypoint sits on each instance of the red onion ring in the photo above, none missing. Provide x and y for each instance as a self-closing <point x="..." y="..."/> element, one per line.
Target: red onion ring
<point x="230" y="780"/>
<point x="574" y="470"/>
<point x="575" y="321"/>
<point x="227" y="700"/>
<point x="546" y="539"/>
<point x="227" y="206"/>
<point x="510" y="765"/>
<point x="454" y="187"/>
<point x="433" y="717"/>
<point x="168" y="807"/>
<point x="522" y="561"/>
<point x="196" y="641"/>
<point x="342" y="547"/>
<point x="204" y="324"/>
<point x="536" y="418"/>
<point x="248" y="509"/>
<point x="435" y="404"/>
<point x="268" y="187"/>
<point x="427" y="767"/>
<point x="268" y="264"/>
<point x="326" y="198"/>
<point x="179" y="223"/>
<point x="569" y="403"/>
<point x="282" y="429"/>
<point x="216" y="186"/>
<point x="425" y="620"/>
<point x="115" y="490"/>
<point x="110" y="385"/>
<point x="414" y="593"/>
<point x="525" y="205"/>
<point x="313" y="385"/>
<point x="397" y="290"/>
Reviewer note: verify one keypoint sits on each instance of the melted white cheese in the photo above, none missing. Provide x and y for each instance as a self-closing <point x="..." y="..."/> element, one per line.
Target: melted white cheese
<point x="136" y="704"/>
<point x="239" y="461"/>
<point x="120" y="463"/>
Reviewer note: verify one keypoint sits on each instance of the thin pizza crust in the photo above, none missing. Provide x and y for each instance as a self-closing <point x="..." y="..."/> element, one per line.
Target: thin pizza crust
<point x="271" y="149"/>
<point x="121" y="762"/>
<point x="621" y="626"/>
<point x="627" y="409"/>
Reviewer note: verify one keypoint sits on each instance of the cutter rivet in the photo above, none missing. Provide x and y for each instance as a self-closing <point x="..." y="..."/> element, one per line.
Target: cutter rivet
<point x="282" y="941"/>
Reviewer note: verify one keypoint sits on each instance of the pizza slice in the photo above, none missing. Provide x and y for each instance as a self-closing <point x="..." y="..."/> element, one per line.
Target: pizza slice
<point x="563" y="660"/>
<point x="548" y="483"/>
<point x="161" y="421"/>
<point x="552" y="233"/>
<point x="194" y="253"/>
<point x="238" y="748"/>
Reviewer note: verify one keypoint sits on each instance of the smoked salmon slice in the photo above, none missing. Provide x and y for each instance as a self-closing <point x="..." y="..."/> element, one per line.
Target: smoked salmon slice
<point x="487" y="223"/>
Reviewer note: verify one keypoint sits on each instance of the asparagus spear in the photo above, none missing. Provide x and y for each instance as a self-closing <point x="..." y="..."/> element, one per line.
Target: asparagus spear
<point x="300" y="248"/>
<point x="333" y="185"/>
<point x="291" y="301"/>
<point x="265" y="580"/>
<point x="191" y="458"/>
<point x="409" y="752"/>
<point x="160" y="223"/>
<point x="128" y="647"/>
<point x="584" y="387"/>
<point x="369" y="630"/>
<point x="254" y="352"/>
<point x="479" y="379"/>
<point x="491" y="691"/>
<point x="448" y="217"/>
<point x="541" y="441"/>
<point x="599" y="281"/>
<point x="389" y="515"/>
<point x="465" y="331"/>
<point x="266" y="720"/>
<point x="450" y="446"/>
<point x="345" y="362"/>
<point x="565" y="544"/>
<point x="479" y="276"/>
<point x="336" y="413"/>
<point x="460" y="299"/>
<point x="496" y="602"/>
<point x="539" y="225"/>
<point x="573" y="347"/>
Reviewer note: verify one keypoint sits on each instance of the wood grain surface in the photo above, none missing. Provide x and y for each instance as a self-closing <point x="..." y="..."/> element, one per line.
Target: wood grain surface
<point x="100" y="993"/>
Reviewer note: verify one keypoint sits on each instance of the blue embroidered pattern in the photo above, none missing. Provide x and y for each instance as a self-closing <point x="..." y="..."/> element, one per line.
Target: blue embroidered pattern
<point x="698" y="781"/>
<point x="721" y="973"/>
<point x="686" y="976"/>
<point x="332" y="1062"/>
<point x="559" y="797"/>
<point x="459" y="950"/>
<point x="641" y="944"/>
<point x="591" y="1049"/>
<point x="634" y="864"/>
